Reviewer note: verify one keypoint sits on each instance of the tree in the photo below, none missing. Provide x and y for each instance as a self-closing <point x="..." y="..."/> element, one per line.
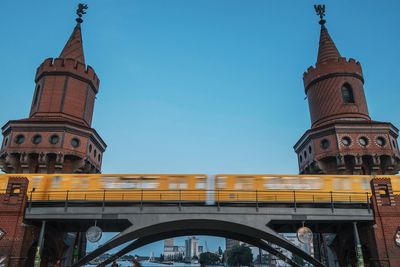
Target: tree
<point x="240" y="255"/>
<point x="220" y="251"/>
<point x="209" y="258"/>
<point x="161" y="257"/>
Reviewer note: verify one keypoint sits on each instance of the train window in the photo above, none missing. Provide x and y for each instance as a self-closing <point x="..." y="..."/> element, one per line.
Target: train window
<point x="36" y="181"/>
<point x="201" y="185"/>
<point x="312" y="182"/>
<point x="200" y="182"/>
<point x="56" y="181"/>
<point x="220" y="182"/>
<point x="133" y="182"/>
<point x="178" y="185"/>
<point x="364" y="183"/>
<point x="244" y="183"/>
<point x="342" y="184"/>
<point x="80" y="182"/>
<point x="273" y="183"/>
<point x="149" y="184"/>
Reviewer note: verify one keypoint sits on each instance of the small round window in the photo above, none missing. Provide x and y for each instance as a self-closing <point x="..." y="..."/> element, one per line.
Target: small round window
<point x="380" y="141"/>
<point x="325" y="143"/>
<point x="54" y="139"/>
<point x="19" y="139"/>
<point x="363" y="141"/>
<point x="90" y="148"/>
<point x="36" y="139"/>
<point x="75" y="142"/>
<point x="346" y="141"/>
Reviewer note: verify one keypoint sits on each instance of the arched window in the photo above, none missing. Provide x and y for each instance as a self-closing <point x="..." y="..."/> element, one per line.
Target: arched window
<point x="347" y="93"/>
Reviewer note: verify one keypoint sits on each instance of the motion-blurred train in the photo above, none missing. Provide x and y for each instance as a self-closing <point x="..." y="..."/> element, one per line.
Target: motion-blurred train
<point x="198" y="187"/>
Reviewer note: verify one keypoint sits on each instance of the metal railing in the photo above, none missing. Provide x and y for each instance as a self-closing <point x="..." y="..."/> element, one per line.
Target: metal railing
<point x="256" y="198"/>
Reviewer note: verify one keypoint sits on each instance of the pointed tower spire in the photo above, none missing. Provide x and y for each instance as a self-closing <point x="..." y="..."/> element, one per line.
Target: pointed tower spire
<point x="343" y="139"/>
<point x="327" y="50"/>
<point x="74" y="47"/>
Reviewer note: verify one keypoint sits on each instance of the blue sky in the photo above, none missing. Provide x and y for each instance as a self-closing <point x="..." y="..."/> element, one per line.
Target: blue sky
<point x="200" y="86"/>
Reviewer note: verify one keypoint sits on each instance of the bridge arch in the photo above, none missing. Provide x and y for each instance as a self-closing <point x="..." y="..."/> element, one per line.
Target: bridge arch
<point x="146" y="230"/>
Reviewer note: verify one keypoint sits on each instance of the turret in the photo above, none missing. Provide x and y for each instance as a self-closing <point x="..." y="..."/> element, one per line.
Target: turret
<point x="57" y="137"/>
<point x="343" y="139"/>
<point x="335" y="86"/>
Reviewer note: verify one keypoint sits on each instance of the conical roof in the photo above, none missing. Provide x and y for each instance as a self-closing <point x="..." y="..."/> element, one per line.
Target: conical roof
<point x="327" y="50"/>
<point x="74" y="46"/>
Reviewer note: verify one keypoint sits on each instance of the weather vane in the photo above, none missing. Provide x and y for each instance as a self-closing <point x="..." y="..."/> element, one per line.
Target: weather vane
<point x="81" y="11"/>
<point x="320" y="9"/>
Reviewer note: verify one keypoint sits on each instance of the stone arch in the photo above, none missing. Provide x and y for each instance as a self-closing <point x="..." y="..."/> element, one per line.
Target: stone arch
<point x="241" y="231"/>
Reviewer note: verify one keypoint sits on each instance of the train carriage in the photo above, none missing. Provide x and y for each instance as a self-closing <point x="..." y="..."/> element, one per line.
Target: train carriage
<point x="299" y="188"/>
<point x="114" y="187"/>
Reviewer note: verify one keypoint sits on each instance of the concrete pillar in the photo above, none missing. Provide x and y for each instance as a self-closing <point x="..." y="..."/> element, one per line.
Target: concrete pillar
<point x="39" y="249"/>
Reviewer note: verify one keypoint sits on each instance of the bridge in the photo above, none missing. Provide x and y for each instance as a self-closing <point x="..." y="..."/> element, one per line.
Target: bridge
<point x="256" y="219"/>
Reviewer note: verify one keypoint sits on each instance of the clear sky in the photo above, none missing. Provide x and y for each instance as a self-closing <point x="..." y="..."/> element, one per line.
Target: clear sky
<point x="210" y="86"/>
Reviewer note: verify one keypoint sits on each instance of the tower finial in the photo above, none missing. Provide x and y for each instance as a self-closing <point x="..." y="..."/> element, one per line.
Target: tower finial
<point x="81" y="11"/>
<point x="320" y="9"/>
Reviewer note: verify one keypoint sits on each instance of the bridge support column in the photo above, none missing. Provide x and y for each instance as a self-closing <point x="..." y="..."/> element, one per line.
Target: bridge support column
<point x="359" y="254"/>
<point x="39" y="248"/>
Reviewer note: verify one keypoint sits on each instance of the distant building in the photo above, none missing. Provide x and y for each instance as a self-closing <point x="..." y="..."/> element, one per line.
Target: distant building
<point x="191" y="248"/>
<point x="169" y="242"/>
<point x="230" y="243"/>
<point x="170" y="251"/>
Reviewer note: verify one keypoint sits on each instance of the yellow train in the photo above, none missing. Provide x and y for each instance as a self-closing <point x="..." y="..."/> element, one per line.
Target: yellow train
<point x="221" y="188"/>
<point x="306" y="188"/>
<point x="118" y="187"/>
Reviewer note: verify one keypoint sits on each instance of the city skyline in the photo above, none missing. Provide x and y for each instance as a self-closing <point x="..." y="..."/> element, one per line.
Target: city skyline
<point x="201" y="87"/>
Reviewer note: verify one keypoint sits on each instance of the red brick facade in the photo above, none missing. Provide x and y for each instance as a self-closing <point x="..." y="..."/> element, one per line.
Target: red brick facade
<point x="18" y="237"/>
<point x="386" y="207"/>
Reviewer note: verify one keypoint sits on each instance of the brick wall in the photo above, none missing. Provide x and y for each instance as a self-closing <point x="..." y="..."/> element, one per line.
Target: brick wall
<point x="17" y="237"/>
<point x="386" y="207"/>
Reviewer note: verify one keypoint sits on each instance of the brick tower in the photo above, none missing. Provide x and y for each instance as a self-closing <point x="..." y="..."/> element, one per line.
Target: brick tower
<point x="57" y="137"/>
<point x="343" y="139"/>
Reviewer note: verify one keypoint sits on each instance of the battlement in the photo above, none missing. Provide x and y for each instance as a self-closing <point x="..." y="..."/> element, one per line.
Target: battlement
<point x="68" y="65"/>
<point x="382" y="180"/>
<point x="341" y="66"/>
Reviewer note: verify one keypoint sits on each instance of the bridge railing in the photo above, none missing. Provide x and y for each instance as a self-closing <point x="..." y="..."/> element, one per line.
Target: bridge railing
<point x="110" y="197"/>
